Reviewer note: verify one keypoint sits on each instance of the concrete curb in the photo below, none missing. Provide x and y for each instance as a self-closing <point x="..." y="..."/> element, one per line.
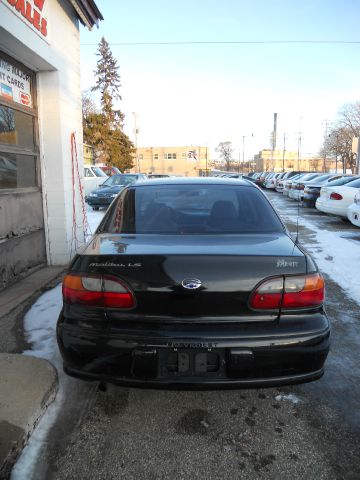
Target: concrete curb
<point x="21" y="408"/>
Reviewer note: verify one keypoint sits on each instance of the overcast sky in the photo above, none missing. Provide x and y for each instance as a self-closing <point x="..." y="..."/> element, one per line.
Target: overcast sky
<point x="196" y="94"/>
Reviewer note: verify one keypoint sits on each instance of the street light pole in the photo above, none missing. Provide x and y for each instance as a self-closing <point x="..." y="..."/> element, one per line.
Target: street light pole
<point x="283" y="158"/>
<point x="243" y="153"/>
<point x="136" y="131"/>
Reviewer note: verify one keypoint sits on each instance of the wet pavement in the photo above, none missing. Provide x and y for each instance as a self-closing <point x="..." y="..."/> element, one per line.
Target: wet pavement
<point x="308" y="431"/>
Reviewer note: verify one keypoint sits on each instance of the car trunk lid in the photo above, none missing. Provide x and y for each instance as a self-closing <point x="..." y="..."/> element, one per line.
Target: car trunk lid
<point x="228" y="267"/>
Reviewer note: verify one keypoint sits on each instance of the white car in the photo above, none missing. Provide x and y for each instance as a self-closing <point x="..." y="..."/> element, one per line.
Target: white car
<point x="298" y="185"/>
<point x="93" y="178"/>
<point x="271" y="181"/>
<point x="287" y="183"/>
<point x="353" y="212"/>
<point x="336" y="200"/>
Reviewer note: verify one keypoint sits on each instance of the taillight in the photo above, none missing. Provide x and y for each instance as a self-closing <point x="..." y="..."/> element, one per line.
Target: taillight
<point x="300" y="291"/>
<point x="97" y="291"/>
<point x="268" y="294"/>
<point x="336" y="196"/>
<point x="303" y="291"/>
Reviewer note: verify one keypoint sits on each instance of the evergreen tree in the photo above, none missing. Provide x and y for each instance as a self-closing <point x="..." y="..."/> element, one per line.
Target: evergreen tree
<point x="108" y="83"/>
<point x="104" y="129"/>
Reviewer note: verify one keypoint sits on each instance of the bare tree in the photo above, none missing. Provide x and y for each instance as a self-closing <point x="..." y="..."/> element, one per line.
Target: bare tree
<point x="225" y="151"/>
<point x="338" y="144"/>
<point x="88" y="103"/>
<point x="350" y="117"/>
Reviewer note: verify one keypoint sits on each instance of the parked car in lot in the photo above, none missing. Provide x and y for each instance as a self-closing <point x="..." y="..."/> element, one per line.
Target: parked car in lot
<point x="336" y="200"/>
<point x="103" y="196"/>
<point x="270" y="182"/>
<point x="353" y="211"/>
<point x="93" y="178"/>
<point x="261" y="178"/>
<point x="157" y="175"/>
<point x="287" y="183"/>
<point x="312" y="189"/>
<point x="193" y="282"/>
<point x="297" y="186"/>
<point x="280" y="182"/>
<point x="246" y="177"/>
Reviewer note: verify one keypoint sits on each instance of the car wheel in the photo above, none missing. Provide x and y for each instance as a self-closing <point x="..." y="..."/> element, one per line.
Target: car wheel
<point x="95" y="208"/>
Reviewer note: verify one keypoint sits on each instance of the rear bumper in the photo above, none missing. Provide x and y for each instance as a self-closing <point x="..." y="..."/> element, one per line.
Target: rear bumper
<point x="98" y="201"/>
<point x="353" y="214"/>
<point x="331" y="208"/>
<point x="309" y="199"/>
<point x="175" y="360"/>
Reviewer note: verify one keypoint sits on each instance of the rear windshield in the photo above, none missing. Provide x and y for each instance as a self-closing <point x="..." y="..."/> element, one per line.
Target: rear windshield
<point x="191" y="209"/>
<point x="120" y="180"/>
<point x="341" y="181"/>
<point x="320" y="178"/>
<point x="98" y="172"/>
<point x="354" y="183"/>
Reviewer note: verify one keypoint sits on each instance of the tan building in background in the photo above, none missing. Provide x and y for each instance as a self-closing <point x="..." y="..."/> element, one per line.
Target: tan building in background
<point x="277" y="161"/>
<point x="188" y="161"/>
<point x="89" y="154"/>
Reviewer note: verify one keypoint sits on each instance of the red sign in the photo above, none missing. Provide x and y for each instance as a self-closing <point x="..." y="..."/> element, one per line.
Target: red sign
<point x="25" y="99"/>
<point x="32" y="12"/>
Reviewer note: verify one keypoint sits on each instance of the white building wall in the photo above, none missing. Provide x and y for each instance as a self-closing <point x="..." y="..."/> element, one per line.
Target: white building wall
<point x="57" y="62"/>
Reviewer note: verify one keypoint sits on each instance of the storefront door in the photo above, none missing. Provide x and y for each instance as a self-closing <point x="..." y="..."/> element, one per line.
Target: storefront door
<point x="22" y="238"/>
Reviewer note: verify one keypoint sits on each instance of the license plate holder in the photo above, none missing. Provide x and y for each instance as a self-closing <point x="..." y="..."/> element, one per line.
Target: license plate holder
<point x="192" y="362"/>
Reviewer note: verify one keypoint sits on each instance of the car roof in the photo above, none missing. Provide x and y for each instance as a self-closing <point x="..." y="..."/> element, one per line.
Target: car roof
<point x="194" y="181"/>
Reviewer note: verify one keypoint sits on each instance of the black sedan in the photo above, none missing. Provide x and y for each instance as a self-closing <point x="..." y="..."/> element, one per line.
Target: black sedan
<point x="193" y="283"/>
<point x="105" y="194"/>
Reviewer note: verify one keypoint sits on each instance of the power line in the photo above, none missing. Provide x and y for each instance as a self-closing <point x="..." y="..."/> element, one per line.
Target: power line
<point x="236" y="42"/>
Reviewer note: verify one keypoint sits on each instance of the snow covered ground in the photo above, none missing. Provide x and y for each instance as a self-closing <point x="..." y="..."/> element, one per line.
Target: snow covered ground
<point x="336" y="252"/>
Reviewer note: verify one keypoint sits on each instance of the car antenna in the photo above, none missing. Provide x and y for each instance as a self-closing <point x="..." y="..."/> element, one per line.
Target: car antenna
<point x="297" y="223"/>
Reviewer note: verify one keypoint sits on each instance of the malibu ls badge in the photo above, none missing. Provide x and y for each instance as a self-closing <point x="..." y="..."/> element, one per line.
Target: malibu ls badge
<point x="191" y="283"/>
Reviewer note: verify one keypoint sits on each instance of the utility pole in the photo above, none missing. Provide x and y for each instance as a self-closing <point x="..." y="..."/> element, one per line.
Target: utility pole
<point x="326" y="123"/>
<point x="206" y="161"/>
<point x="136" y="131"/>
<point x="283" y="156"/>
<point x="243" y="154"/>
<point x="299" y="150"/>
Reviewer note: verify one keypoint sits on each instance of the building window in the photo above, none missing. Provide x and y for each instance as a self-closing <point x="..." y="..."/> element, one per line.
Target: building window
<point x="17" y="171"/>
<point x="156" y="156"/>
<point x="170" y="156"/>
<point x="141" y="156"/>
<point x="16" y="128"/>
<point x="18" y="145"/>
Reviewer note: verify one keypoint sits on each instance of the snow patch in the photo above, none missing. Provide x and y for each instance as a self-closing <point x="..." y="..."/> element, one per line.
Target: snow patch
<point x="337" y="253"/>
<point x="93" y="219"/>
<point x="40" y="331"/>
<point x="288" y="398"/>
